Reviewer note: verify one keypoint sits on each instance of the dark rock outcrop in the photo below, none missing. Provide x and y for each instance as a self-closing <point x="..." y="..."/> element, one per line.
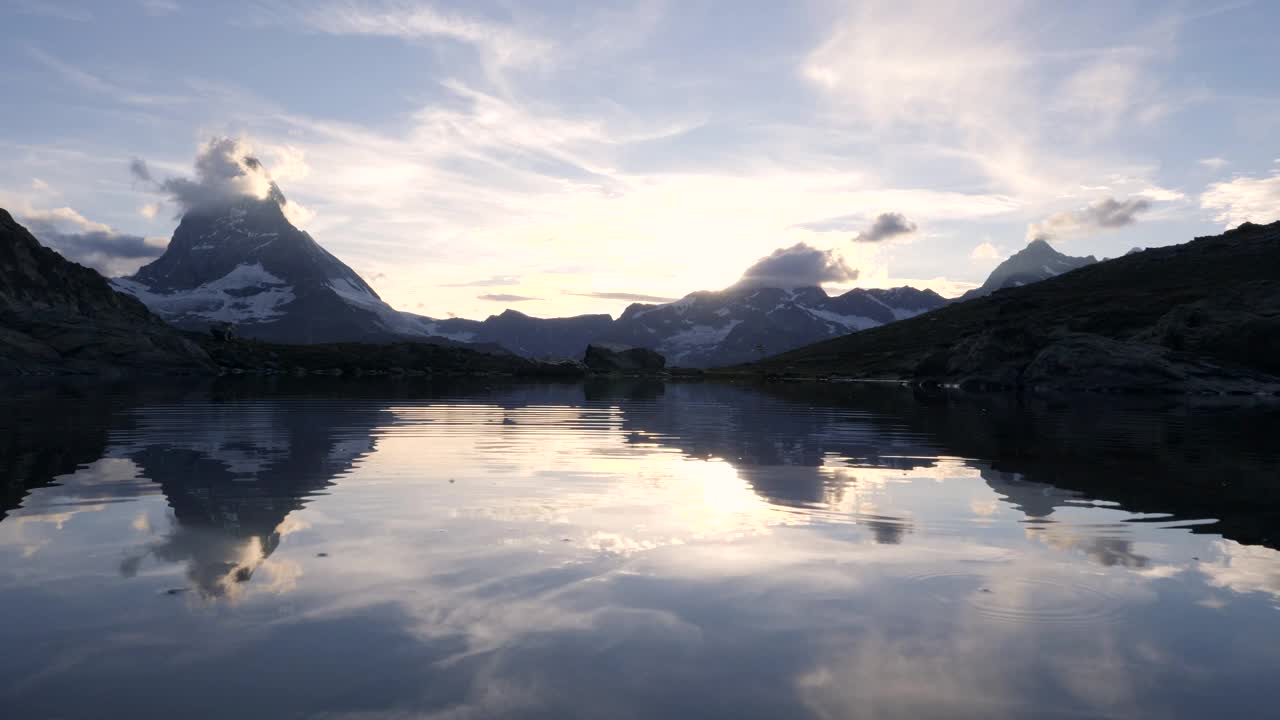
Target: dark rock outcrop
<point x="60" y="317"/>
<point x="613" y="358"/>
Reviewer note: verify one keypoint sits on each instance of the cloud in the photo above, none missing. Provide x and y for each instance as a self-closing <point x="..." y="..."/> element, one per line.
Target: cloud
<point x="226" y="170"/>
<point x="886" y="225"/>
<point x="1215" y="163"/>
<point x="499" y="44"/>
<point x="916" y="62"/>
<point x="503" y="297"/>
<point x="158" y="7"/>
<point x="90" y="243"/>
<point x="86" y="80"/>
<point x="138" y="168"/>
<point x="840" y="223"/>
<point x="494" y="281"/>
<point x="1244" y="199"/>
<point x="1104" y="214"/>
<point x="1160" y="194"/>
<point x="630" y="297"/>
<point x="985" y="251"/>
<point x="800" y="265"/>
<point x="49" y="9"/>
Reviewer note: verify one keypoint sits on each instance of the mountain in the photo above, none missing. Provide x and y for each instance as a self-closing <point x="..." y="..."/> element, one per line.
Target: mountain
<point x="531" y="337"/>
<point x="1037" y="261"/>
<point x="740" y="324"/>
<point x="703" y="329"/>
<point x="245" y="264"/>
<point x="1201" y="316"/>
<point x="57" y="316"/>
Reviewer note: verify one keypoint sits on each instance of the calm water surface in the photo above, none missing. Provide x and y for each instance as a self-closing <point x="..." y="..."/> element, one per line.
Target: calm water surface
<point x="634" y="551"/>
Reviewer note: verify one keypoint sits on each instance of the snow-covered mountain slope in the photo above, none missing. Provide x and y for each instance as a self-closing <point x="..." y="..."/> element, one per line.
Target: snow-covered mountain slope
<point x="1037" y="261"/>
<point x="245" y="264"/>
<point x="740" y="324"/>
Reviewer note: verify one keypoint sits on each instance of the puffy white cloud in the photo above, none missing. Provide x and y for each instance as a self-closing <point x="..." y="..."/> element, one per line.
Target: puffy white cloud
<point x="1104" y="214"/>
<point x="1160" y="194"/>
<point x="1244" y="569"/>
<point x="1244" y="199"/>
<point x="985" y="251"/>
<point x="800" y="265"/>
<point x="226" y="169"/>
<point x="886" y="226"/>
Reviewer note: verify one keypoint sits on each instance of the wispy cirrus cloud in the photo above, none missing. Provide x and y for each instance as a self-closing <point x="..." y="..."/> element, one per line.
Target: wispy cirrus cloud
<point x="626" y="296"/>
<point x="504" y="297"/>
<point x="493" y="281"/>
<point x="159" y="8"/>
<point x="94" y="83"/>
<point x="499" y="44"/>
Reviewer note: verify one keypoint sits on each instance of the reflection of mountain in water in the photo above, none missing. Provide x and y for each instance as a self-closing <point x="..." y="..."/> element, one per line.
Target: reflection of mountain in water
<point x="1191" y="461"/>
<point x="46" y="434"/>
<point x="785" y="451"/>
<point x="233" y="471"/>
<point x="230" y="471"/>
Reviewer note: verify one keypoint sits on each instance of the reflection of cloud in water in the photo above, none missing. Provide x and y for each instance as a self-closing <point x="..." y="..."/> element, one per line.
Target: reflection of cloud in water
<point x="90" y="489"/>
<point x="1105" y="550"/>
<point x="1244" y="569"/>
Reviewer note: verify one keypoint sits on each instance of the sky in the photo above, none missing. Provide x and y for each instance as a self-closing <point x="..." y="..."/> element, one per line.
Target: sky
<point x="568" y="157"/>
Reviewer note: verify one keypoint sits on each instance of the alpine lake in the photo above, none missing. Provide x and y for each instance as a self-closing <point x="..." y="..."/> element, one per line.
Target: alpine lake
<point x="634" y="549"/>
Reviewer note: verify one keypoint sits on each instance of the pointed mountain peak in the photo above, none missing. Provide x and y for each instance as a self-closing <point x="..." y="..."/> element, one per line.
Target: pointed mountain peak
<point x="1033" y="263"/>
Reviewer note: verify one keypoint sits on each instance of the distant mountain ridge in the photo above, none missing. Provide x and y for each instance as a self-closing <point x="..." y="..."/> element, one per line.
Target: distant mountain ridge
<point x="525" y="335"/>
<point x="1036" y="262"/>
<point x="710" y="328"/>
<point x="246" y="265"/>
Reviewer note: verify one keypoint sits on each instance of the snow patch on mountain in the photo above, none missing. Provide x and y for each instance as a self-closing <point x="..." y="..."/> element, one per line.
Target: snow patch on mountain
<point x="249" y="293"/>
<point x="851" y="323"/>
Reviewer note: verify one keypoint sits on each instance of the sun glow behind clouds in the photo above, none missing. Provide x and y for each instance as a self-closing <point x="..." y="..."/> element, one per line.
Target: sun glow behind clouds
<point x="435" y="140"/>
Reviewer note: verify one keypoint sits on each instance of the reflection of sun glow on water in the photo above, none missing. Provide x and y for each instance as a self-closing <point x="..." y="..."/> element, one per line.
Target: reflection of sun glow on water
<point x="514" y="548"/>
<point x="722" y="490"/>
